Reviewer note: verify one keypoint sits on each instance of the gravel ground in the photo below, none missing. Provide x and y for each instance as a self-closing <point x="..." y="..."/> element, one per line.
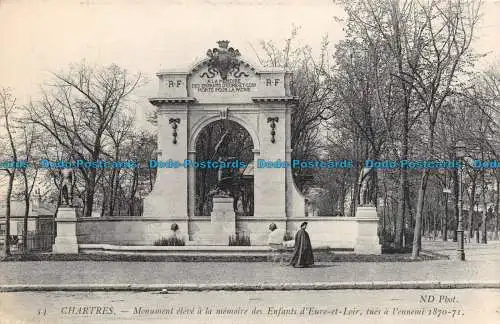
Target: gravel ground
<point x="482" y="264"/>
<point x="88" y="272"/>
<point x="319" y="256"/>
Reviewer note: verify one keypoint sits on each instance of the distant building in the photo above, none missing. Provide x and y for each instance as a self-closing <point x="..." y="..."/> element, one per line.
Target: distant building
<point x="41" y="224"/>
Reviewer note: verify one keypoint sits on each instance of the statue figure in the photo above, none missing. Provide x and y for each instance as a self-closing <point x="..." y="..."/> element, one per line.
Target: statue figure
<point x="365" y="178"/>
<point x="219" y="171"/>
<point x="67" y="187"/>
<point x="239" y="206"/>
<point x="219" y="192"/>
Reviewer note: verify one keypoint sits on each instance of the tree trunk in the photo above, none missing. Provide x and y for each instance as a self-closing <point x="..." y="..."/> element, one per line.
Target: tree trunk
<point x="417" y="237"/>
<point x="484" y="238"/>
<point x="400" y="220"/>
<point x="6" y="246"/>
<point x="384" y="215"/>
<point x="150" y="177"/>
<point x="104" y="201"/>
<point x="403" y="181"/>
<point x="25" y="223"/>
<point x="133" y="191"/>
<point x="445" y="220"/>
<point x="356" y="192"/>
<point x="112" y="199"/>
<point x="497" y="209"/>
<point x="471" y="208"/>
<point x="455" y="202"/>
<point x="341" y="205"/>
<point x="90" y="191"/>
<point x="418" y="216"/>
<point x="26" y="211"/>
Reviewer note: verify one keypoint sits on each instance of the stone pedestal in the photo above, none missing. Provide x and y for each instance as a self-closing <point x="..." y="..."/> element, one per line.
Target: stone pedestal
<point x="223" y="220"/>
<point x="367" y="241"/>
<point x="66" y="241"/>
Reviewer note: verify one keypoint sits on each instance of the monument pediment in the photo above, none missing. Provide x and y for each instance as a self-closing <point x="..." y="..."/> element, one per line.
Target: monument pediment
<point x="224" y="76"/>
<point x="236" y="83"/>
<point x="223" y="61"/>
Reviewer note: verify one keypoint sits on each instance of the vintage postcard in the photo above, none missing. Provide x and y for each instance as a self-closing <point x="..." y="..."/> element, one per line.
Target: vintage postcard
<point x="239" y="161"/>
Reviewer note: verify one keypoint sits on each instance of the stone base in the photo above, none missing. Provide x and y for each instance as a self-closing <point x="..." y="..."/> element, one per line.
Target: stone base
<point x="367" y="241"/>
<point x="223" y="220"/>
<point x="65" y="246"/>
<point x="66" y="241"/>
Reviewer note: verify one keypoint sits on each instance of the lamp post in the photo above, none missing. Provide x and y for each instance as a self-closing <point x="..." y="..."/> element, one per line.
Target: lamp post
<point x="476" y="230"/>
<point x="460" y="153"/>
<point x="445" y="221"/>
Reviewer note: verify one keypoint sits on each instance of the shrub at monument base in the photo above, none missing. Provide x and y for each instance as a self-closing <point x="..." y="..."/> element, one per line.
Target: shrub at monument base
<point x="288" y="236"/>
<point x="239" y="240"/>
<point x="171" y="241"/>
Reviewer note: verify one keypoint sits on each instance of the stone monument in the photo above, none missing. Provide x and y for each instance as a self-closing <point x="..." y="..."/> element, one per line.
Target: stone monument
<point x="66" y="241"/>
<point x="224" y="86"/>
<point x="366" y="213"/>
<point x="223" y="219"/>
<point x="365" y="179"/>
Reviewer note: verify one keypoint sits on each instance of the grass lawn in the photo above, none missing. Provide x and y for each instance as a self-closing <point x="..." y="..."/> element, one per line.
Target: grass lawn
<point x="319" y="256"/>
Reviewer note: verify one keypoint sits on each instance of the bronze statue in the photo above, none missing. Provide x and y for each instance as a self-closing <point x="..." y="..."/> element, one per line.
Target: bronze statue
<point x="365" y="178"/>
<point x="67" y="187"/>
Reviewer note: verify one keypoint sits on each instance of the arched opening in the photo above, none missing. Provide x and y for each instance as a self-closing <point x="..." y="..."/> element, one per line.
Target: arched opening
<point x="231" y="145"/>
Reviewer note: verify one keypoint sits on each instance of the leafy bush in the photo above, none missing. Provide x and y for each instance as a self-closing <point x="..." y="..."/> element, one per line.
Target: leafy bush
<point x="409" y="235"/>
<point x="170" y="241"/>
<point x="239" y="240"/>
<point x="288" y="236"/>
<point x="386" y="237"/>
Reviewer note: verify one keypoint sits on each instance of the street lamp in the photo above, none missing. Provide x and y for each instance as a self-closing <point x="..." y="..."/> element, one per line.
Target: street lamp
<point x="445" y="221"/>
<point x="460" y="153"/>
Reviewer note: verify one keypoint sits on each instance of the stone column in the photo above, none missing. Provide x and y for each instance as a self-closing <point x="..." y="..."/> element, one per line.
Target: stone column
<point x="270" y="183"/>
<point x="295" y="201"/>
<point x="257" y="193"/>
<point x="168" y="200"/>
<point x="65" y="241"/>
<point x="191" y="172"/>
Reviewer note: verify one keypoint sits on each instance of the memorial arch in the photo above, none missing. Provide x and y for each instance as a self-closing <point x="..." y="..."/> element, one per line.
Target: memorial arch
<point x="222" y="87"/>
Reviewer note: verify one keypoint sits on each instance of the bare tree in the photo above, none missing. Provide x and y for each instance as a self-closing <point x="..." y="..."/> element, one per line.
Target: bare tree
<point x="311" y="85"/>
<point x="447" y="28"/>
<point x="118" y="131"/>
<point x="78" y="108"/>
<point x="30" y="139"/>
<point x="8" y="105"/>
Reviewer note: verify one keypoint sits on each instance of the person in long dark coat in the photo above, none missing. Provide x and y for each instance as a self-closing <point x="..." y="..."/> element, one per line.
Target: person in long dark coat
<point x="303" y="254"/>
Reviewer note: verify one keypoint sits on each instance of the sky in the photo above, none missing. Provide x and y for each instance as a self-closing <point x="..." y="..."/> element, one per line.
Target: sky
<point x="37" y="37"/>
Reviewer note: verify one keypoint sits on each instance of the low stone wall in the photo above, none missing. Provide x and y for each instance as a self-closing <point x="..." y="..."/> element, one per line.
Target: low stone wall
<point x="337" y="232"/>
<point x="334" y="232"/>
<point x="124" y="230"/>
